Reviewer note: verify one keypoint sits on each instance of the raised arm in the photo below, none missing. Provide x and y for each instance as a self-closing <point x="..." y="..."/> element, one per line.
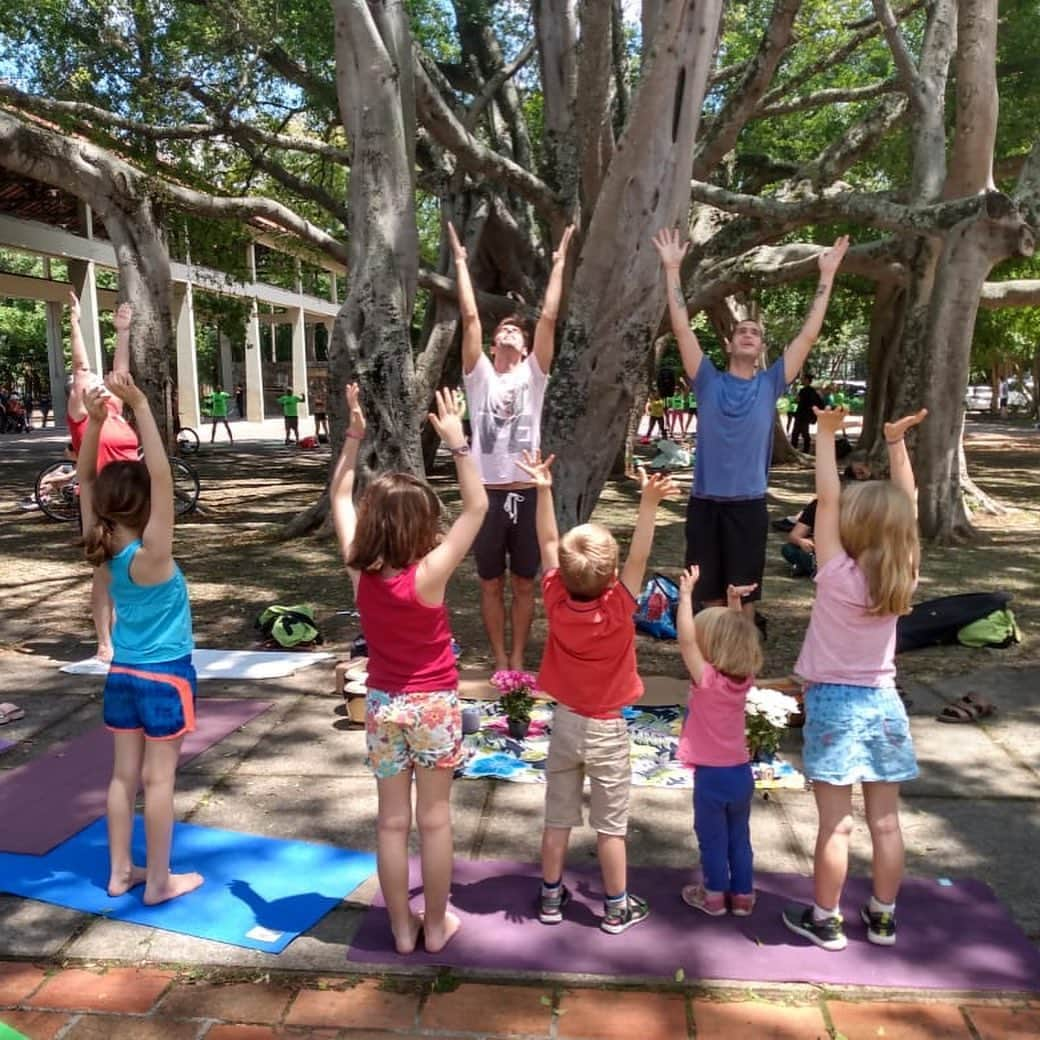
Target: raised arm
<point x="902" y="473"/>
<point x="545" y="514"/>
<point x="671" y="251"/>
<point x="80" y="364"/>
<point x="798" y="349"/>
<point x="341" y="486"/>
<point x="826" y="535"/>
<point x="86" y="461"/>
<point x="438" y="565"/>
<point x="471" y="331"/>
<point x="545" y="330"/>
<point x="121" y="358"/>
<point x="658" y="487"/>
<point x="685" y="626"/>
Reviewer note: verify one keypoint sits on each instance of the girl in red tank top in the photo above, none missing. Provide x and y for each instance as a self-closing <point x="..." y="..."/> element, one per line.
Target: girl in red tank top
<point x="399" y="564"/>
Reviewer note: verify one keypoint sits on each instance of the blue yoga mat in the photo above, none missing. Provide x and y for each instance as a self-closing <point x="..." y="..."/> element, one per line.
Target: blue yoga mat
<point x="260" y="893"/>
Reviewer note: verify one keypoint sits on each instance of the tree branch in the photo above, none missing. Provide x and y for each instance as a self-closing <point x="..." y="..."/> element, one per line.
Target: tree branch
<point x="904" y="61"/>
<point x="836" y="96"/>
<point x="494" y="84"/>
<point x="1024" y="292"/>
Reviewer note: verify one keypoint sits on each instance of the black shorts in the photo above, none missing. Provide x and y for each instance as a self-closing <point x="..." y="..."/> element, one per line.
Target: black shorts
<point x="727" y="540"/>
<point x="508" y="531"/>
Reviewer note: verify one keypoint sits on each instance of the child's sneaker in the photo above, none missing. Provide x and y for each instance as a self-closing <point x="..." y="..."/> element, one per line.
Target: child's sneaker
<point x="619" y="919"/>
<point x="551" y="904"/>
<point x="881" y="926"/>
<point x="828" y="934"/>
<point x="741" y="904"/>
<point x="712" y="903"/>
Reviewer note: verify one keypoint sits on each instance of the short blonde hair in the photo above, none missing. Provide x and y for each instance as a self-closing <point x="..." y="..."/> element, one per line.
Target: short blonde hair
<point x="729" y="641"/>
<point x="878" y="528"/>
<point x="588" y="560"/>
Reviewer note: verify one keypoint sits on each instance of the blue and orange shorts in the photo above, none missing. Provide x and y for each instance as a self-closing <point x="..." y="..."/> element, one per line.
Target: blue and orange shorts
<point x="158" y="699"/>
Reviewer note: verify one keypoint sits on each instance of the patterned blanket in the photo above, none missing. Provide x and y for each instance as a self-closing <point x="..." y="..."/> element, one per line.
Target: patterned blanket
<point x="654" y="734"/>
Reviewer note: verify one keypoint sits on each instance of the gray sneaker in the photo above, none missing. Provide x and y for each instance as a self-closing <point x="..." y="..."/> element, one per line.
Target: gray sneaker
<point x="618" y="920"/>
<point x="550" y="905"/>
<point x="828" y="934"/>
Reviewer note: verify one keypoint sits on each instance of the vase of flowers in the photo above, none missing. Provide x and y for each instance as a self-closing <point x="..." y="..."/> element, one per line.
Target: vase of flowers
<point x="766" y="715"/>
<point x="516" y="698"/>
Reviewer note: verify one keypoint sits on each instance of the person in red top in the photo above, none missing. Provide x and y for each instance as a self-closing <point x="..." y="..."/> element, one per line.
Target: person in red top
<point x="118" y="441"/>
<point x="399" y="565"/>
<point x="589" y="669"/>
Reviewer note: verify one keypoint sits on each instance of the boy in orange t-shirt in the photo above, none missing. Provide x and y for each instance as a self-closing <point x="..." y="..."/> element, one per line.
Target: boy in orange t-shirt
<point x="589" y="669"/>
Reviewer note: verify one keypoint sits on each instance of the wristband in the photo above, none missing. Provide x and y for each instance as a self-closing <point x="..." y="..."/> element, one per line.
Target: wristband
<point x="462" y="449"/>
<point x="355" y="436"/>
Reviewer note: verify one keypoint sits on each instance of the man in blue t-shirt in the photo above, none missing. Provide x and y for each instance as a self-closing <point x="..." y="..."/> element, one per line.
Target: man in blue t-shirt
<point x="726" y="520"/>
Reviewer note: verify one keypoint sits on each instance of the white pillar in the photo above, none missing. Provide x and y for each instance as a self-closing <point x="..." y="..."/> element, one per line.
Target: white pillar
<point x="253" y="362"/>
<point x="55" y="361"/>
<point x="187" y="366"/>
<point x="227" y="376"/>
<point x="84" y="281"/>
<point x="299" y="359"/>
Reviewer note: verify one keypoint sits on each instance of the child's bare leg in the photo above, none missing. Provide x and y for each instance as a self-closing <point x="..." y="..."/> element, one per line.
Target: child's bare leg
<point x="122" y="794"/>
<point x="101" y="610"/>
<point x="554" y="852"/>
<point x="613" y="862"/>
<point x="433" y="815"/>
<point x="882" y="805"/>
<point x="493" y="612"/>
<point x="831" y="863"/>
<point x="392" y="826"/>
<point x="160" y="770"/>
<point x="521" y="615"/>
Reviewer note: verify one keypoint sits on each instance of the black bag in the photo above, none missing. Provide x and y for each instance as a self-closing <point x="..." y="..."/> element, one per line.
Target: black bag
<point x="936" y="622"/>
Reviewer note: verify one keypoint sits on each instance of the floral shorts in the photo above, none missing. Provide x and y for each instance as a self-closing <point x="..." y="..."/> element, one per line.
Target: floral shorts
<point x="412" y="729"/>
<point x="856" y="734"/>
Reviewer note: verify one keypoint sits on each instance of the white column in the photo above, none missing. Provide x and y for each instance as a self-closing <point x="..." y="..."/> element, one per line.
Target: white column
<point x="187" y="366"/>
<point x="299" y="359"/>
<point x="84" y="281"/>
<point x="253" y="363"/>
<point x="56" y="361"/>
<point x="227" y="377"/>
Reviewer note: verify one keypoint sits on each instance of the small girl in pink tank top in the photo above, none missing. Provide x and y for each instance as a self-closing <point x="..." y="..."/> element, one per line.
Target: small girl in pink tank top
<point x="400" y="562"/>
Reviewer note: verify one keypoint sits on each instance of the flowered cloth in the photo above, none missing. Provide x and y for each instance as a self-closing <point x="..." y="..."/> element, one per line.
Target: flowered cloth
<point x="654" y="733"/>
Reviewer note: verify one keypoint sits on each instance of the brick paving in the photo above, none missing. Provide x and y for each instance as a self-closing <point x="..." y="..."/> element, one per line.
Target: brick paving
<point x="92" y="1003"/>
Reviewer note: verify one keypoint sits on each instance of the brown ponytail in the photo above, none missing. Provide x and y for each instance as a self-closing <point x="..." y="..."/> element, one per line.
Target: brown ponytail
<point x="122" y="495"/>
<point x="98" y="543"/>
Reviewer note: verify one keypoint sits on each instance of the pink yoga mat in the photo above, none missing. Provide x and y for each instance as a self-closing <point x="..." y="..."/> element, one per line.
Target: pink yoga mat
<point x="952" y="935"/>
<point x="62" y="791"/>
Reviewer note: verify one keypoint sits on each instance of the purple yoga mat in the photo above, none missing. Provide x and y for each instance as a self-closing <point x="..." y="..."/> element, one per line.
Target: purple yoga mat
<point x="62" y="791"/>
<point x="955" y="937"/>
<point x="5" y="744"/>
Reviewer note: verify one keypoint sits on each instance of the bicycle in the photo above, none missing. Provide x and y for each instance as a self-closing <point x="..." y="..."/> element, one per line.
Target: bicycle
<point x="57" y="490"/>
<point x="187" y="440"/>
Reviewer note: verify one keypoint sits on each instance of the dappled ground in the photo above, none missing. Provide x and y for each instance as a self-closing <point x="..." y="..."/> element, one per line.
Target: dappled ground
<point x="236" y="564"/>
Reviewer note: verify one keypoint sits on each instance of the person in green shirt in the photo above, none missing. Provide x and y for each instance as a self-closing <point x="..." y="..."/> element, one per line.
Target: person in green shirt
<point x="218" y="412"/>
<point x="290" y="403"/>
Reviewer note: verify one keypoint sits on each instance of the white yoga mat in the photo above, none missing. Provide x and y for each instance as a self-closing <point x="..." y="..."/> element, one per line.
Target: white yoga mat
<point x="226" y="664"/>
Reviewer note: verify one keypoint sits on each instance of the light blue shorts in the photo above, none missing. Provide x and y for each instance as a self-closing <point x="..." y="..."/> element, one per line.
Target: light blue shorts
<point x="856" y="734"/>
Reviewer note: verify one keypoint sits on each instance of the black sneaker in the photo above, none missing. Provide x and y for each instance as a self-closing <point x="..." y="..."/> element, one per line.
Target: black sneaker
<point x="828" y="934"/>
<point x="881" y="926"/>
<point x="618" y="920"/>
<point x="550" y="905"/>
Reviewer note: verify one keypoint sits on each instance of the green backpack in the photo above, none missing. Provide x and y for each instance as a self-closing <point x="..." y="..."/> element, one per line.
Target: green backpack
<point x="998" y="629"/>
<point x="289" y="626"/>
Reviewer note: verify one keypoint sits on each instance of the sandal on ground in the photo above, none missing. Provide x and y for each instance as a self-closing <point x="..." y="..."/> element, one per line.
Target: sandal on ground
<point x="969" y="708"/>
<point x="10" y="713"/>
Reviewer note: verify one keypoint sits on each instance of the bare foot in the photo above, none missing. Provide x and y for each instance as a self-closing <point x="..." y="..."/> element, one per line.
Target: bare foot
<point x="121" y="883"/>
<point x="435" y="939"/>
<point x="516" y="664"/>
<point x="176" y="885"/>
<point x="501" y="665"/>
<point x="406" y="943"/>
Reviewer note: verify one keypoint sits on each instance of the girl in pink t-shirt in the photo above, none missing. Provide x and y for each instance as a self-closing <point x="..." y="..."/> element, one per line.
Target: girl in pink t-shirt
<point x="722" y="652"/>
<point x="400" y="563"/>
<point x="856" y="729"/>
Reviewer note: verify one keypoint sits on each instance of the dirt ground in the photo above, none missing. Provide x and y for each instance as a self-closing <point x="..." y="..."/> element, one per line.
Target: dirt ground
<point x="236" y="562"/>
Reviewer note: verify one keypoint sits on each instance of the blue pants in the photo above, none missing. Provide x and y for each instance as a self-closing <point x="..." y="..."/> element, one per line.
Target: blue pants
<point x="722" y="822"/>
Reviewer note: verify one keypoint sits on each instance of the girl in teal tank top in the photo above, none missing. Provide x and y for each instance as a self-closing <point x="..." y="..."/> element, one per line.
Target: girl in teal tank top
<point x="149" y="700"/>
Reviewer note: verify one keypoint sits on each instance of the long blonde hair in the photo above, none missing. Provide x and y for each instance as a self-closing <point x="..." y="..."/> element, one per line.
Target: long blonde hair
<point x="878" y="529"/>
<point x="729" y="641"/>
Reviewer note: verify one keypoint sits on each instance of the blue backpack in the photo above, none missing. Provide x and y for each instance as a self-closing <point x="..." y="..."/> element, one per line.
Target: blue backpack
<point x="656" y="607"/>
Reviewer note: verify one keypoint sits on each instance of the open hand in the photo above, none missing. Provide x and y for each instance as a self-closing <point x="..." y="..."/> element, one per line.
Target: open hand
<point x="656" y="487"/>
<point x="688" y="580"/>
<point x="895" y="431"/>
<point x="352" y="393"/>
<point x="94" y="402"/>
<point x="537" y="468"/>
<point x="560" y="253"/>
<point x="670" y="247"/>
<point x="123" y="386"/>
<point x="124" y="312"/>
<point x="830" y="259"/>
<point x="830" y="420"/>
<point x="735" y="594"/>
<point x="74" y="305"/>
<point x="448" y="420"/>
<point x="458" y="250"/>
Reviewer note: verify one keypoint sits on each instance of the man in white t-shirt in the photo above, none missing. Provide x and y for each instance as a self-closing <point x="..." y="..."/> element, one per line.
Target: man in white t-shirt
<point x="504" y="395"/>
